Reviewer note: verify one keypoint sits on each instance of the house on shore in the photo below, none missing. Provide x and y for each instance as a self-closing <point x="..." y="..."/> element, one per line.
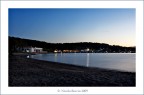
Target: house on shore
<point x="33" y="49"/>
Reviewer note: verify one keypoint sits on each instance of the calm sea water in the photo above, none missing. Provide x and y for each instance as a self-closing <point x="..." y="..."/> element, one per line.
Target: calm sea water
<point x="115" y="61"/>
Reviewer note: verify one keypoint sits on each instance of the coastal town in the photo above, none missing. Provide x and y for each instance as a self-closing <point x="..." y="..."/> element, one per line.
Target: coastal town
<point x="33" y="46"/>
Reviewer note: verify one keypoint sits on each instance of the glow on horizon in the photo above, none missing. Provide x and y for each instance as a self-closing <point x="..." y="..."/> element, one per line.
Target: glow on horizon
<point x="111" y="26"/>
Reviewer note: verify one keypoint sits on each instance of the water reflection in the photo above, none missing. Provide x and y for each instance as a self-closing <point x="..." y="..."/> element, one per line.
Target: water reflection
<point x="87" y="60"/>
<point x="55" y="57"/>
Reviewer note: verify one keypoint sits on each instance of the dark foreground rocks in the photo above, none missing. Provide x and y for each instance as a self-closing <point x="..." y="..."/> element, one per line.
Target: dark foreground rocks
<point x="25" y="72"/>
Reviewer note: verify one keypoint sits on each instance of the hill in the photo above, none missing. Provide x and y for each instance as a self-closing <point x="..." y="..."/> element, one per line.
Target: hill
<point x="17" y="44"/>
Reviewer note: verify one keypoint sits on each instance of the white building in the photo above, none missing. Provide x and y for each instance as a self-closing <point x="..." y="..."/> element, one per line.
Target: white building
<point x="33" y="49"/>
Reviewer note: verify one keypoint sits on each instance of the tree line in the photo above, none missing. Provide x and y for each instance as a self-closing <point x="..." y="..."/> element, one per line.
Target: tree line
<point x="16" y="44"/>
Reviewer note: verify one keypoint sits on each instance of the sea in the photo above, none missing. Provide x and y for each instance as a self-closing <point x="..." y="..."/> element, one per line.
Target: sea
<point x="114" y="61"/>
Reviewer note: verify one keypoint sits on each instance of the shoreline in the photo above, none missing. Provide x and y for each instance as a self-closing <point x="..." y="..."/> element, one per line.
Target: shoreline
<point x="28" y="72"/>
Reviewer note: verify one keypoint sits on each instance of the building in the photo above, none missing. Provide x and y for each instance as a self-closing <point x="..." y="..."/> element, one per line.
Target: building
<point x="33" y="49"/>
<point x="71" y="51"/>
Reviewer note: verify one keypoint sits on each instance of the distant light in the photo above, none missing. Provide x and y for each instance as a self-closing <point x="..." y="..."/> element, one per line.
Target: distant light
<point x="55" y="51"/>
<point x="88" y="49"/>
<point x="28" y="56"/>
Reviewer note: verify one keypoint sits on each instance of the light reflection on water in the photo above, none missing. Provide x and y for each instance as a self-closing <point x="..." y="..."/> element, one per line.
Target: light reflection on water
<point x="118" y="61"/>
<point x="87" y="63"/>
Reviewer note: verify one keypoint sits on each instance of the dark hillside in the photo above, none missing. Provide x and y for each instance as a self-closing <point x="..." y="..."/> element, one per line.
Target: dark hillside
<point x="17" y="44"/>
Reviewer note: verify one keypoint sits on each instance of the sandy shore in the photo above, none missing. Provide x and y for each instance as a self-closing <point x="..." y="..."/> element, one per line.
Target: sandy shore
<point x="30" y="72"/>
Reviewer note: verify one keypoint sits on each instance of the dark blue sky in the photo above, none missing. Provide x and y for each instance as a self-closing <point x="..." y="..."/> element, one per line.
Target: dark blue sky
<point x="112" y="26"/>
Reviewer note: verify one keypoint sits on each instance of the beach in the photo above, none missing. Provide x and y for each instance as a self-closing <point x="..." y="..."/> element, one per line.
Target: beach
<point x="27" y="72"/>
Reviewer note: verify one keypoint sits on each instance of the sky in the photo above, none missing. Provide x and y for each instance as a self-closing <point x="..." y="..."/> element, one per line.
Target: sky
<point x="114" y="26"/>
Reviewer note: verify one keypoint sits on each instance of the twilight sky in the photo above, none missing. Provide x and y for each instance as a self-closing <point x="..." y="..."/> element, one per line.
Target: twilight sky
<point x="111" y="26"/>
